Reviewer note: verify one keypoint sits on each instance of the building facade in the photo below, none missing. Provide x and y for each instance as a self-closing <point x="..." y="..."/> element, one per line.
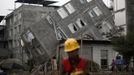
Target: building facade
<point x="4" y="51"/>
<point x="87" y="18"/>
<point x="130" y="15"/>
<point x="19" y="20"/>
<point x="124" y="15"/>
<point x="98" y="51"/>
<point x="81" y="19"/>
<point x="120" y="15"/>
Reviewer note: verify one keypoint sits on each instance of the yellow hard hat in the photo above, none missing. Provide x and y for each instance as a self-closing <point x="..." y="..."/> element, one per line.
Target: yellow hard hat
<point x="71" y="44"/>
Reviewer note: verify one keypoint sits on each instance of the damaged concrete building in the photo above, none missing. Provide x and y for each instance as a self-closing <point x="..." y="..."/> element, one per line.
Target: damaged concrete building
<point x="88" y="18"/>
<point x="81" y="19"/>
<point x="4" y="51"/>
<point x="20" y="19"/>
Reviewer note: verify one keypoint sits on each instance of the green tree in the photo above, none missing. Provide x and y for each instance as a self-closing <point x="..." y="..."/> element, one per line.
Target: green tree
<point x="124" y="45"/>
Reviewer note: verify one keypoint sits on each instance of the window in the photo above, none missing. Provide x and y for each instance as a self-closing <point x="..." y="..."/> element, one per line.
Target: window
<point x="62" y="13"/>
<point x="10" y="32"/>
<point x="80" y="23"/>
<point x="91" y="13"/>
<point x="73" y="28"/>
<point x="97" y="11"/>
<point x="19" y="28"/>
<point x="104" y="59"/>
<point x="61" y="34"/>
<point x="89" y="0"/>
<point x="15" y="18"/>
<point x="49" y="19"/>
<point x="15" y="30"/>
<point x="19" y="16"/>
<point x="70" y="8"/>
<point x="28" y="36"/>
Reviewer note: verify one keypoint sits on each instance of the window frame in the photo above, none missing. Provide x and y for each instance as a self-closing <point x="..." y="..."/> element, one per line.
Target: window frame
<point x="78" y="22"/>
<point x="73" y="25"/>
<point x="60" y="11"/>
<point x="49" y="19"/>
<point x="59" y="30"/>
<point x="97" y="11"/>
<point x="70" y="8"/>
<point x="92" y="14"/>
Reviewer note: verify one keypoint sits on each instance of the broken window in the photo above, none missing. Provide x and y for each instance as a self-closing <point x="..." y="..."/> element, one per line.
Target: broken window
<point x="28" y="36"/>
<point x="80" y="23"/>
<point x="70" y="8"/>
<point x="89" y="0"/>
<point x="61" y="34"/>
<point x="62" y="13"/>
<point x="97" y="11"/>
<point x="73" y="27"/>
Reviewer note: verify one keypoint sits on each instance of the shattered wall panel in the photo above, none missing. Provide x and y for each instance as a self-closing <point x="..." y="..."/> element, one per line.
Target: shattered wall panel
<point x="46" y="43"/>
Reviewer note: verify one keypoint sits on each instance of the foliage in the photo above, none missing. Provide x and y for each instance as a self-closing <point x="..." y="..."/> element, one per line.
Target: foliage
<point x="124" y="45"/>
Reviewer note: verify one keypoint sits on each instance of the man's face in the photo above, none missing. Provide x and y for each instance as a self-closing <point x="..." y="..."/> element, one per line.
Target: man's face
<point x="73" y="54"/>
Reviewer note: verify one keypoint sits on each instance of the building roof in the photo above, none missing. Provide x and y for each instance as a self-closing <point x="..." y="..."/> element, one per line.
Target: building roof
<point x="42" y="2"/>
<point x="1" y="18"/>
<point x="107" y="42"/>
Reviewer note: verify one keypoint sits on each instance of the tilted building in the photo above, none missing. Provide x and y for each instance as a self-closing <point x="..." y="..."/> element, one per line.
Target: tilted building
<point x="81" y="19"/>
<point x="4" y="51"/>
<point x="20" y="19"/>
<point x="86" y="18"/>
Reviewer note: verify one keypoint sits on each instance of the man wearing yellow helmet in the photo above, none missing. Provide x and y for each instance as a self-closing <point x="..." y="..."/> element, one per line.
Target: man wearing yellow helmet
<point x="74" y="65"/>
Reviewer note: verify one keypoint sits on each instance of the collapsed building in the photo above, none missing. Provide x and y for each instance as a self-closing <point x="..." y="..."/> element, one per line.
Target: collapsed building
<point x="81" y="19"/>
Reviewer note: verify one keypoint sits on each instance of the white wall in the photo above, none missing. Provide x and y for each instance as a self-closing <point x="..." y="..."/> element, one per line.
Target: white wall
<point x="120" y="18"/>
<point x="119" y="4"/>
<point x="108" y="3"/>
<point x="97" y="53"/>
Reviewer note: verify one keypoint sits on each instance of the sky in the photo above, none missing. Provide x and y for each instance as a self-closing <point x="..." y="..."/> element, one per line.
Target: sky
<point x="7" y="6"/>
